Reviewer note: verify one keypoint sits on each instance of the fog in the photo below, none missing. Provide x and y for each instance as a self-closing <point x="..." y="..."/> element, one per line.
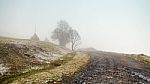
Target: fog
<point x="109" y="25"/>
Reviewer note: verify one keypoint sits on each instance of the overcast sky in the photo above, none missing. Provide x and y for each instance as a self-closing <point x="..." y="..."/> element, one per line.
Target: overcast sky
<point x="110" y="25"/>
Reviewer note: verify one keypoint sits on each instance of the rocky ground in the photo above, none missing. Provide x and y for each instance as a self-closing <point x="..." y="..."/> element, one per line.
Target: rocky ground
<point x="113" y="68"/>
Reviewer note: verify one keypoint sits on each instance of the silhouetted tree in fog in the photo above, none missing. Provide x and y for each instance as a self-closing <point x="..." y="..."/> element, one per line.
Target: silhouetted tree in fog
<point x="61" y="33"/>
<point x="65" y="34"/>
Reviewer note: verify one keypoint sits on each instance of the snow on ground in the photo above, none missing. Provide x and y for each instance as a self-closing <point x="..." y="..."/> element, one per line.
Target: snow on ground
<point x="49" y="56"/>
<point x="3" y="69"/>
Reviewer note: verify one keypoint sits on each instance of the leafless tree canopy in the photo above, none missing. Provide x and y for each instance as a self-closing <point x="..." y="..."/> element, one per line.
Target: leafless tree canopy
<point x="74" y="38"/>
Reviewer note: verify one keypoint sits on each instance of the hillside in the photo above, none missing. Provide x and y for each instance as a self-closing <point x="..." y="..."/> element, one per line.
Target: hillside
<point x="20" y="53"/>
<point x="21" y="58"/>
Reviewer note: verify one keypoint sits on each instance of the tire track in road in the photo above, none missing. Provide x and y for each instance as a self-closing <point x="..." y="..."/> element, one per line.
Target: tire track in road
<point x="110" y="68"/>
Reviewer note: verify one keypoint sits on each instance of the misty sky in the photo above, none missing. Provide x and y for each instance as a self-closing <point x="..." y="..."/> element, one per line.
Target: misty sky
<point x="110" y="25"/>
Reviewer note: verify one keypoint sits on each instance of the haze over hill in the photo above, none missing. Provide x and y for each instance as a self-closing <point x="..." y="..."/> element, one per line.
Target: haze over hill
<point x="110" y="25"/>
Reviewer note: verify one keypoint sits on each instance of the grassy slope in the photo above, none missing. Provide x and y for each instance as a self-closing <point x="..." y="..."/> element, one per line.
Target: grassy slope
<point x="20" y="56"/>
<point x="17" y="51"/>
<point x="58" y="74"/>
<point x="140" y="57"/>
<point x="53" y="65"/>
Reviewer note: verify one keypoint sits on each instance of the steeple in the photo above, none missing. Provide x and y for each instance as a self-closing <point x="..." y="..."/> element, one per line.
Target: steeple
<point x="35" y="29"/>
<point x="35" y="37"/>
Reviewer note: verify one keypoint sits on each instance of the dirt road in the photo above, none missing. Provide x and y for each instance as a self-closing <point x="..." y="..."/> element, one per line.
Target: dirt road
<point x="112" y="68"/>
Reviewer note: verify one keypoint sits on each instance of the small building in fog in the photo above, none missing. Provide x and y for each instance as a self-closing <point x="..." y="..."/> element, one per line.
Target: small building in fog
<point x="35" y="37"/>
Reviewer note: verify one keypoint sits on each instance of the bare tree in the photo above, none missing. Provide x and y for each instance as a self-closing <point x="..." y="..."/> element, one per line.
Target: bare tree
<point x="74" y="39"/>
<point x="65" y="34"/>
<point x="61" y="33"/>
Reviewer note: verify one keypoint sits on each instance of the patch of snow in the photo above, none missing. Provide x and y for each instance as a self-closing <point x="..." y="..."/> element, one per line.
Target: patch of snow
<point x="47" y="56"/>
<point x="36" y="68"/>
<point x="3" y="69"/>
<point x="56" y="56"/>
<point x="64" y="51"/>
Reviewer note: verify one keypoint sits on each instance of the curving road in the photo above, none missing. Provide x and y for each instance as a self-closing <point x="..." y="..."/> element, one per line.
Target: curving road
<point x="112" y="68"/>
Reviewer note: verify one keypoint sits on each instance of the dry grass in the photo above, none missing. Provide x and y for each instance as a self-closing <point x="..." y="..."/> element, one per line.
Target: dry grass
<point x="21" y="57"/>
<point x="140" y="57"/>
<point x="56" y="75"/>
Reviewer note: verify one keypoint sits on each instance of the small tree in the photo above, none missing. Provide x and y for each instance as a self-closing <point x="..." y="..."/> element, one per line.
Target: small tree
<point x="74" y="39"/>
<point x="61" y="33"/>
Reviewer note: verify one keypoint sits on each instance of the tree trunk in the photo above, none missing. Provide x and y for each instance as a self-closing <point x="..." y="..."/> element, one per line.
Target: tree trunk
<point x="72" y="47"/>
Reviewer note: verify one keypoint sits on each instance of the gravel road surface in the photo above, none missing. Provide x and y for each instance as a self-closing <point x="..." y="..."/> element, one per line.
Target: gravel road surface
<point x="113" y="68"/>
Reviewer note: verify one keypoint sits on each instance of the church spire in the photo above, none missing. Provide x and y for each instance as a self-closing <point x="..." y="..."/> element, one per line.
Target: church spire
<point x="35" y="29"/>
<point x="35" y="37"/>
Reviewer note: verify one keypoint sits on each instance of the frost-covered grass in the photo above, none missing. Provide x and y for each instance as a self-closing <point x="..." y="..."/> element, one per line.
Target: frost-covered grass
<point x="21" y="56"/>
<point x="58" y="74"/>
<point x="55" y="63"/>
<point x="3" y="69"/>
<point x="26" y="61"/>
